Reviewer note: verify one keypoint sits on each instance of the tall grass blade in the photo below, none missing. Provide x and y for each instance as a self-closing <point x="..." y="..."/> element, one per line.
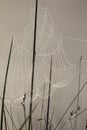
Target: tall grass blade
<point x="42" y="107"/>
<point x="78" y="91"/>
<point x="23" y="124"/>
<point x="70" y="105"/>
<point x="5" y="120"/>
<point x="5" y="82"/>
<point x="78" y="114"/>
<point x="49" y="92"/>
<point x="52" y="126"/>
<point x="24" y="109"/>
<point x="51" y="118"/>
<point x="11" y="118"/>
<point x="33" y="66"/>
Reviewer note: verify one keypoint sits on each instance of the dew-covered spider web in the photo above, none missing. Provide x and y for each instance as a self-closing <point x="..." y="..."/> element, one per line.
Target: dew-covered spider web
<point x="48" y="44"/>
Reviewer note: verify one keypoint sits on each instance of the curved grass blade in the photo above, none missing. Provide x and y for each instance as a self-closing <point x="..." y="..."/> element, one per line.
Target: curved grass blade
<point x="5" y="82"/>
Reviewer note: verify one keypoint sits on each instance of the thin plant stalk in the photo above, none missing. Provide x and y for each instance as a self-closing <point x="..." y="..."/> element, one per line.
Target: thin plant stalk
<point x="49" y="92"/>
<point x="5" y="120"/>
<point x="70" y="105"/>
<point x="24" y="109"/>
<point x="27" y="118"/>
<point x="42" y="107"/>
<point x="52" y="126"/>
<point x="78" y="114"/>
<point x="33" y="67"/>
<point x="78" y="91"/>
<point x="5" y="82"/>
<point x="31" y="125"/>
<point x="51" y="118"/>
<point x="11" y="117"/>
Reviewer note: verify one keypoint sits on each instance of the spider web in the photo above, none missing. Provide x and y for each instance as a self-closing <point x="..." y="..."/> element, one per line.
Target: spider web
<point x="48" y="44"/>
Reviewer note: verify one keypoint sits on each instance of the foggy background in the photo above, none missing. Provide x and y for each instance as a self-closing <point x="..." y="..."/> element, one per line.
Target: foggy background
<point x="70" y="19"/>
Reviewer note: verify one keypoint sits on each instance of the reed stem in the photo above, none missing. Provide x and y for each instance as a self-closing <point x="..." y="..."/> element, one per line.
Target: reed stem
<point x="33" y="66"/>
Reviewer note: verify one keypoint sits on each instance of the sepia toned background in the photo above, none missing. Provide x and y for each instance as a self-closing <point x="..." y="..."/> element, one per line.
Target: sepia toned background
<point x="70" y="20"/>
